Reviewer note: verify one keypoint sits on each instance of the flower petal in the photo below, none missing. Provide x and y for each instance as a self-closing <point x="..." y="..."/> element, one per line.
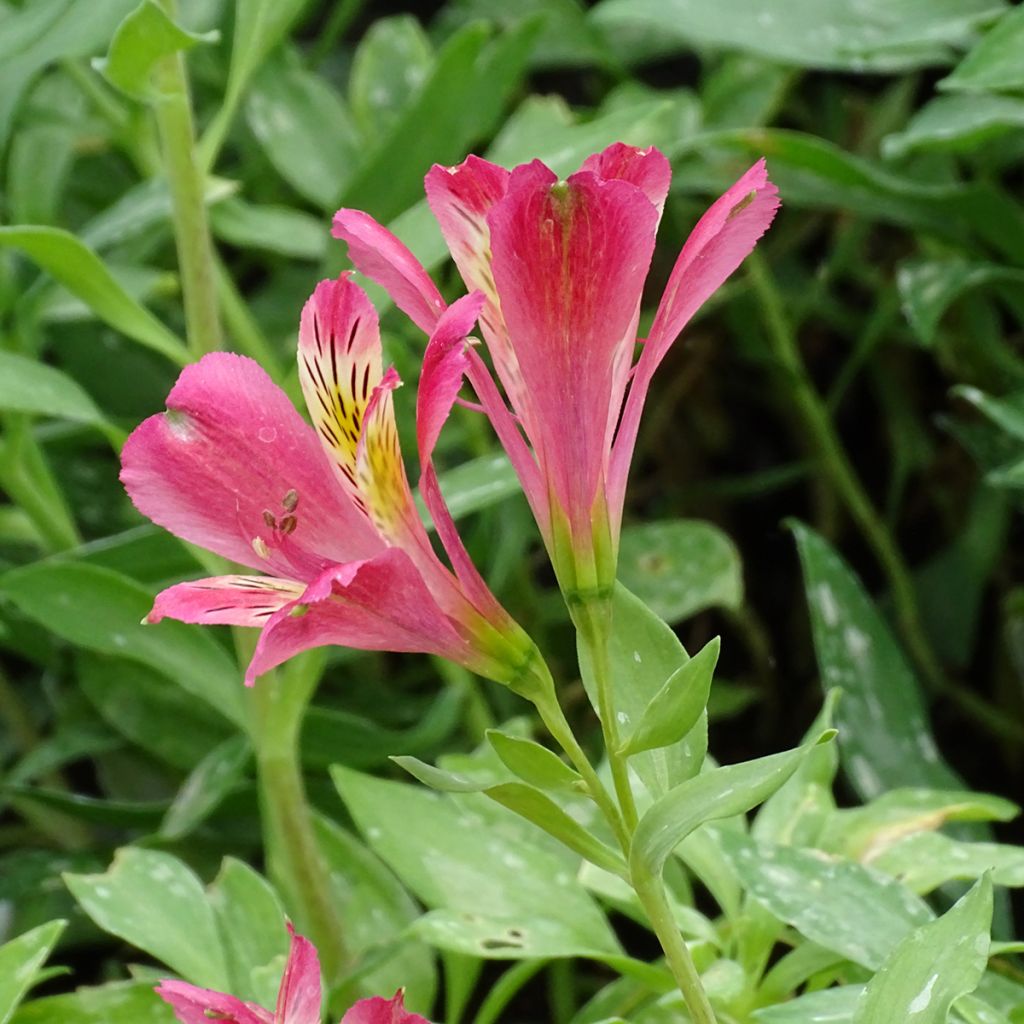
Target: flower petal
<point x="569" y="263"/>
<point x="379" y="604"/>
<point x="444" y="366"/>
<point x="225" y="600"/>
<point x="339" y="367"/>
<point x="382" y="257"/>
<point x="378" y="1010"/>
<point x="233" y="467"/>
<point x="648" y="169"/>
<point x="722" y="239"/>
<point x="194" y="1005"/>
<point x="300" y="995"/>
<point x="461" y="197"/>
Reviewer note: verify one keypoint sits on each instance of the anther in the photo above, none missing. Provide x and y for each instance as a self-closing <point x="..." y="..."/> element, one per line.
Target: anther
<point x="290" y="502"/>
<point x="287" y="524"/>
<point x="259" y="545"/>
<point x="268" y="518"/>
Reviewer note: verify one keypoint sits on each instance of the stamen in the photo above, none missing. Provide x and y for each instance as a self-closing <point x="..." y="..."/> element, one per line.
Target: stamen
<point x="288" y="524"/>
<point x="259" y="545"/>
<point x="268" y="518"/>
<point x="290" y="502"/>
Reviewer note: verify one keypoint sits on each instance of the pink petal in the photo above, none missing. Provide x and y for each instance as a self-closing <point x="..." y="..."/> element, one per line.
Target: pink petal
<point x="380" y="604"/>
<point x="228" y="464"/>
<point x="299" y="998"/>
<point x="648" y="169"/>
<point x="461" y="198"/>
<point x="225" y="600"/>
<point x="380" y="256"/>
<point x="569" y="263"/>
<point x="339" y="366"/>
<point x="444" y="366"/>
<point x="722" y="239"/>
<point x="194" y="1005"/>
<point x="382" y="1011"/>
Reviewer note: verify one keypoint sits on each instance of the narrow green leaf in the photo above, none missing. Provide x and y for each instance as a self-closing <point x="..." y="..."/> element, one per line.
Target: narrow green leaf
<point x="155" y="902"/>
<point x="146" y="35"/>
<point x="80" y="270"/>
<point x="277" y="229"/>
<point x="995" y="62"/>
<point x="20" y="961"/>
<point x="718" y="793"/>
<point x="535" y="806"/>
<point x="1006" y="412"/>
<point x="27" y="385"/>
<point x="438" y="778"/>
<point x="207" y="785"/>
<point x="956" y="124"/>
<point x="926" y="860"/>
<point x="120" y="1002"/>
<point x="933" y="966"/>
<point x="676" y="708"/>
<point x="531" y="762"/>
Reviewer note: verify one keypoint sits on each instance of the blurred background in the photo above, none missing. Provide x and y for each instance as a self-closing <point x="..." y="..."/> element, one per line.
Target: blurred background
<point x="861" y="374"/>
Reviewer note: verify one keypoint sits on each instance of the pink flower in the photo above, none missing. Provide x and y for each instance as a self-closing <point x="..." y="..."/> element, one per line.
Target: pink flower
<point x="324" y="513"/>
<point x="562" y="266"/>
<point x="299" y="998"/>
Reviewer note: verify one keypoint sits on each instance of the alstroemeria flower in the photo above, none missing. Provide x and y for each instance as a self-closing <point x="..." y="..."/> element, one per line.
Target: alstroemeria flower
<point x="324" y="513"/>
<point x="299" y="999"/>
<point x="562" y="267"/>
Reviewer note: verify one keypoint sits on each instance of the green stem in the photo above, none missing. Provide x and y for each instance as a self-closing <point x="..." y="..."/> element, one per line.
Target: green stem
<point x="278" y="704"/>
<point x="245" y="331"/>
<point x="593" y="623"/>
<point x="173" y="111"/>
<point x="505" y="989"/>
<point x="651" y="892"/>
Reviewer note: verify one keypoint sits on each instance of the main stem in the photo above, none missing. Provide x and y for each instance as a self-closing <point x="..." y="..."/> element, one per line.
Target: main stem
<point x="278" y="704"/>
<point x="173" y="110"/>
<point x="594" y="622"/>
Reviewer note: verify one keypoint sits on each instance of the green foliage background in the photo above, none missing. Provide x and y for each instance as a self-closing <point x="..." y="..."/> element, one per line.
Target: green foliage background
<point x="862" y="375"/>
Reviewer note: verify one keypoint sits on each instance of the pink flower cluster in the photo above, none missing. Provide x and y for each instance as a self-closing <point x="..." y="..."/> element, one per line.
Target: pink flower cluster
<point x="324" y="514"/>
<point x="299" y="999"/>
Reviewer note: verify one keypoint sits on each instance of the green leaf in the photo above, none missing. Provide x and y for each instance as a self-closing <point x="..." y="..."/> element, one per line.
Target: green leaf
<point x="81" y="271"/>
<point x="142" y="39"/>
<point x="875" y="35"/>
<point x="156" y="903"/>
<point x="542" y="811"/>
<point x="123" y="1002"/>
<point x="305" y="130"/>
<point x="929" y="287"/>
<point x="101" y="611"/>
<point x="439" y="778"/>
<point x="100" y="811"/>
<point x="717" y="793"/>
<point x="1006" y="412"/>
<point x="277" y="229"/>
<point x="30" y="386"/>
<point x="20" y="961"/>
<point x="995" y="62"/>
<point x="864" y="832"/>
<point x="832" y="1006"/>
<point x="485" y="868"/>
<point x="926" y="860"/>
<point x="676" y="708"/>
<point x="377" y="912"/>
<point x="251" y="924"/>
<point x="885" y="740"/>
<point x="957" y="124"/>
<point x="531" y="762"/>
<point x="643" y="653"/>
<point x="207" y="785"/>
<point x="474" y="485"/>
<point x="390" y="65"/>
<point x="680" y="567"/>
<point x="932" y="966"/>
<point x="846" y="907"/>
